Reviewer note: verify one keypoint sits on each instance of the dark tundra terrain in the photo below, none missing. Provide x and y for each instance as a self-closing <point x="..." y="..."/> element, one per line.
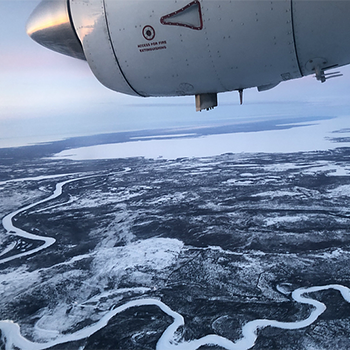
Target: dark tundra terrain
<point x="221" y="241"/>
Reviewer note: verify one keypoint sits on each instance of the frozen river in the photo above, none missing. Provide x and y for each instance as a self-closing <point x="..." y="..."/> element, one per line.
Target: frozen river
<point x="171" y="338"/>
<point x="7" y="222"/>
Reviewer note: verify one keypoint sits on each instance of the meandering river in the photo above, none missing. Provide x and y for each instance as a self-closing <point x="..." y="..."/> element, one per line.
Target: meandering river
<point x="8" y="225"/>
<point x="170" y="339"/>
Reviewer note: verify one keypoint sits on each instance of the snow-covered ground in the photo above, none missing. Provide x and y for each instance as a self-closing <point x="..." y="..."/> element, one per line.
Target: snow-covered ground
<point x="229" y="228"/>
<point x="295" y="139"/>
<point x="170" y="339"/>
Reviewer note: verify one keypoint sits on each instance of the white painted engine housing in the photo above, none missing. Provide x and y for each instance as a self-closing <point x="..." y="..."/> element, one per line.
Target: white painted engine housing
<point x="204" y="47"/>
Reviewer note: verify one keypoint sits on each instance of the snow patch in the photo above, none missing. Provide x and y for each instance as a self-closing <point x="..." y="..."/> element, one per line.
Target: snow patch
<point x="340" y="191"/>
<point x="18" y="279"/>
<point x="153" y="253"/>
<point x="331" y="255"/>
<point x="274" y="194"/>
<point x="284" y="219"/>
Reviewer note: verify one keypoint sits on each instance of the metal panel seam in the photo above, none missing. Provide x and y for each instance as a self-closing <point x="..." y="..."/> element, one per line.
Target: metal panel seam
<point x="72" y="25"/>
<point x="294" y="40"/>
<point x="114" y="53"/>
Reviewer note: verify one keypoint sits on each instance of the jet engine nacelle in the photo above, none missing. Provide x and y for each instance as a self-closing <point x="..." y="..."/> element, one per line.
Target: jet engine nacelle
<point x="200" y="47"/>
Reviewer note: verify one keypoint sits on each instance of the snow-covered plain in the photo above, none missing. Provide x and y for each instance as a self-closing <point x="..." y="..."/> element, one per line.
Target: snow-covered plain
<point x="225" y="250"/>
<point x="155" y="254"/>
<point x="139" y="260"/>
<point x="170" y="338"/>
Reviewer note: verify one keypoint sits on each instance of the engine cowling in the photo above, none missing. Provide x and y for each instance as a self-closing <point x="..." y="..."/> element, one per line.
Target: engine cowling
<point x="200" y="47"/>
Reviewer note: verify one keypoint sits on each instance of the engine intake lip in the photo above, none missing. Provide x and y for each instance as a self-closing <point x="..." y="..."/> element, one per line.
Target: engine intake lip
<point x="50" y="25"/>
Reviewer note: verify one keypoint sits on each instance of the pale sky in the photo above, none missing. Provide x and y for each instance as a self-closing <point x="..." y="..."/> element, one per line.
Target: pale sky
<point x="47" y="96"/>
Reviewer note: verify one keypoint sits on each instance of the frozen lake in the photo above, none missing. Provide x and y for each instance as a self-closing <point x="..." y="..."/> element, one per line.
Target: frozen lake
<point x="296" y="137"/>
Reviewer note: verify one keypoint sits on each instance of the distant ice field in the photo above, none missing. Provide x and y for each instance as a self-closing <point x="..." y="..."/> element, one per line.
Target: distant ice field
<point x="295" y="137"/>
